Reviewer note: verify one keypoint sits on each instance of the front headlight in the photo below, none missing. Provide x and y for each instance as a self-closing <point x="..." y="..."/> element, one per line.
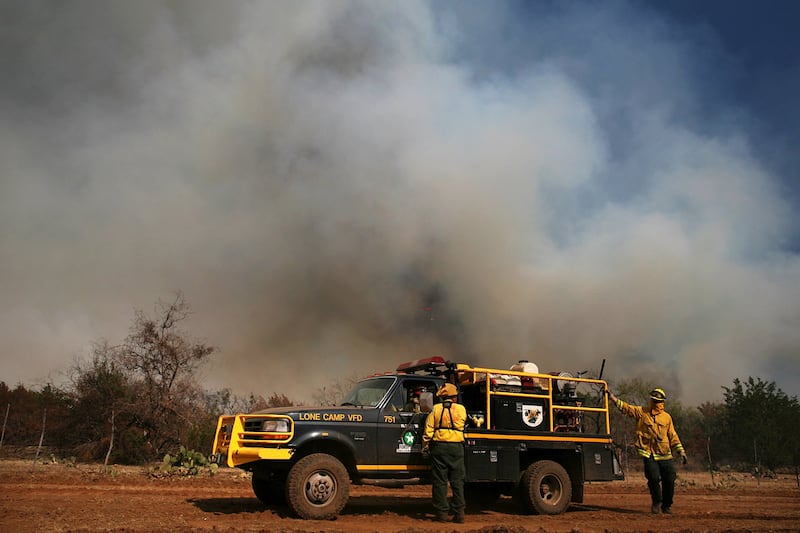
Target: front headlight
<point x="275" y="426"/>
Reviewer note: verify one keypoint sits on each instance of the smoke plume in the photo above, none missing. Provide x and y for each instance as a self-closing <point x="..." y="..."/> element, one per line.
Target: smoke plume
<point x="338" y="187"/>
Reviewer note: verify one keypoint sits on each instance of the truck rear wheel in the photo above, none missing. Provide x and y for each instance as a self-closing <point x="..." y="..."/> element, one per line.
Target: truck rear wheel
<point x="545" y="488"/>
<point x="317" y="487"/>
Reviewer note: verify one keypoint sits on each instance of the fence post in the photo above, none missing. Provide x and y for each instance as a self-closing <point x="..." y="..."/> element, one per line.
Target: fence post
<point x="758" y="464"/>
<point x="110" y="442"/>
<point x="5" y="419"/>
<point x="710" y="463"/>
<point x="41" y="437"/>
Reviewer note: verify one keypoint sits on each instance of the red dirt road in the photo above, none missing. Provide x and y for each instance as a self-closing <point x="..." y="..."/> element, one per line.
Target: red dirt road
<point x="53" y="497"/>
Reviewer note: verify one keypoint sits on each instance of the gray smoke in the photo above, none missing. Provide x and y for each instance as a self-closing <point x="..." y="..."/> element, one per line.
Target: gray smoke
<point x="312" y="175"/>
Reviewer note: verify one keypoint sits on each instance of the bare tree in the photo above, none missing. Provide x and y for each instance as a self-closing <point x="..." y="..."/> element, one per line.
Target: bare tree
<point x="257" y="403"/>
<point x="162" y="363"/>
<point x="335" y="392"/>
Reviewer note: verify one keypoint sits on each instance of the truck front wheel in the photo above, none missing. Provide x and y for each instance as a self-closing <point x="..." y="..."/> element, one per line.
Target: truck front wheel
<point x="317" y="487"/>
<point x="545" y="488"/>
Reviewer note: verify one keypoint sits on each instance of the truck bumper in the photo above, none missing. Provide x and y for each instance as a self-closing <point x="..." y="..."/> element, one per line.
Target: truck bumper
<point x="239" y="440"/>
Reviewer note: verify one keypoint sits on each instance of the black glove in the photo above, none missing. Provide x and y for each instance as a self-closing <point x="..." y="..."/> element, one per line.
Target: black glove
<point x="426" y="451"/>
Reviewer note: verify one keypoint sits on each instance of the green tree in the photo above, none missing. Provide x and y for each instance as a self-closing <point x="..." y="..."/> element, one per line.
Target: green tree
<point x="101" y="391"/>
<point x="23" y="414"/>
<point x="712" y="428"/>
<point x="759" y="423"/>
<point x="26" y="414"/>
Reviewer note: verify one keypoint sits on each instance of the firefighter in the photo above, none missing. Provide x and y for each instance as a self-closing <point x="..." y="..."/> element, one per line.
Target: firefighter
<point x="655" y="439"/>
<point x="443" y="440"/>
<point x="412" y="405"/>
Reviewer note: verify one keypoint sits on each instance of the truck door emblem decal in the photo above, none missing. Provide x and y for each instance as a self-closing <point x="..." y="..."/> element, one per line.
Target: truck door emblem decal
<point x="409" y="438"/>
<point x="532" y="415"/>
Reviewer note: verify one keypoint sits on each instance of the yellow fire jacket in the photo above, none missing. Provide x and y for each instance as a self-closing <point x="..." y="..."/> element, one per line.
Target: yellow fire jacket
<point x="445" y="424"/>
<point x="655" y="433"/>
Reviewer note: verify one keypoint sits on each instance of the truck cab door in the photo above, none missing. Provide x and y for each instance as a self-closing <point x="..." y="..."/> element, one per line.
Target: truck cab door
<point x="400" y="427"/>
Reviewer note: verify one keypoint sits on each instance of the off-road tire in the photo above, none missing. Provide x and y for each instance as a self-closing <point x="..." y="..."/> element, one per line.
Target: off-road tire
<point x="317" y="487"/>
<point x="545" y="488"/>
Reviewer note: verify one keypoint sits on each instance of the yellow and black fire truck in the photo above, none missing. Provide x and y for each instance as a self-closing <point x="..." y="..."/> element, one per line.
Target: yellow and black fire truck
<point x="534" y="436"/>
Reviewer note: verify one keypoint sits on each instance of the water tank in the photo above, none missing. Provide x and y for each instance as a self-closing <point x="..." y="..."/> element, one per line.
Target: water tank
<point x="525" y="366"/>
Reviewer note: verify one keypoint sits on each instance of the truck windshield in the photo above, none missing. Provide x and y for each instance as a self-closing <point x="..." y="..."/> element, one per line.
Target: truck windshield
<point x="369" y="392"/>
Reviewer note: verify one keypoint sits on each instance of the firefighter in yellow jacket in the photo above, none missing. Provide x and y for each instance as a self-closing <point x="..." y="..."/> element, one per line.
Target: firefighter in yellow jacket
<point x="444" y="441"/>
<point x="655" y="439"/>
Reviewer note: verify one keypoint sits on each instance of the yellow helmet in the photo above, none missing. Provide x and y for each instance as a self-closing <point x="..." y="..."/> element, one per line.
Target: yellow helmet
<point x="658" y="395"/>
<point x="447" y="390"/>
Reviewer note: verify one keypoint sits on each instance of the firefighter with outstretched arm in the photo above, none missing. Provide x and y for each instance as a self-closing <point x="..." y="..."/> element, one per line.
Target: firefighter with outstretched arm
<point x="655" y="439"/>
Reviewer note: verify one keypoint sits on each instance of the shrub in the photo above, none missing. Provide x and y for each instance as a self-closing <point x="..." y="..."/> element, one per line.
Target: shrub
<point x="185" y="463"/>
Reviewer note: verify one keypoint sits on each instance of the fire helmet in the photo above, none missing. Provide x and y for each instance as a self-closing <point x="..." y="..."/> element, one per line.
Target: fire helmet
<point x="447" y="390"/>
<point x="658" y="395"/>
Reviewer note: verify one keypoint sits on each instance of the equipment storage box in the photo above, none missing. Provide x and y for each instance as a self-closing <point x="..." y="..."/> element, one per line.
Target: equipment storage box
<point x="486" y="463"/>
<point x="529" y="414"/>
<point x="600" y="463"/>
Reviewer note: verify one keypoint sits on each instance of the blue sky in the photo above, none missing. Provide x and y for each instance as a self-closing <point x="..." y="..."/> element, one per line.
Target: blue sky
<point x="572" y="180"/>
<point x="761" y="41"/>
<point x="742" y="56"/>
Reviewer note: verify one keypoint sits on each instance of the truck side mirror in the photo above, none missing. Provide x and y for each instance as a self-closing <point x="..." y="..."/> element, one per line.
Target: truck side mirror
<point x="426" y="402"/>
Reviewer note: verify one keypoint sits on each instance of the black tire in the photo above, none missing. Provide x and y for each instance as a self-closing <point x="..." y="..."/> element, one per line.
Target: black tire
<point x="317" y="487"/>
<point x="545" y="488"/>
<point x="481" y="494"/>
<point x="269" y="490"/>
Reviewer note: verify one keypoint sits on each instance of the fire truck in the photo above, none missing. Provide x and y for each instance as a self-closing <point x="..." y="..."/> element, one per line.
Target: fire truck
<point x="535" y="436"/>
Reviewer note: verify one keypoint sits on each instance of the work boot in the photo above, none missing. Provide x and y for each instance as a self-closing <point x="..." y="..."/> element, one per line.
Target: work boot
<point x="459" y="517"/>
<point x="666" y="510"/>
<point x="654" y="508"/>
<point x="440" y="517"/>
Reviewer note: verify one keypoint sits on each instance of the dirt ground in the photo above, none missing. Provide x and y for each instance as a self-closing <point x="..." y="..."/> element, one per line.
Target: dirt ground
<point x="58" y="497"/>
